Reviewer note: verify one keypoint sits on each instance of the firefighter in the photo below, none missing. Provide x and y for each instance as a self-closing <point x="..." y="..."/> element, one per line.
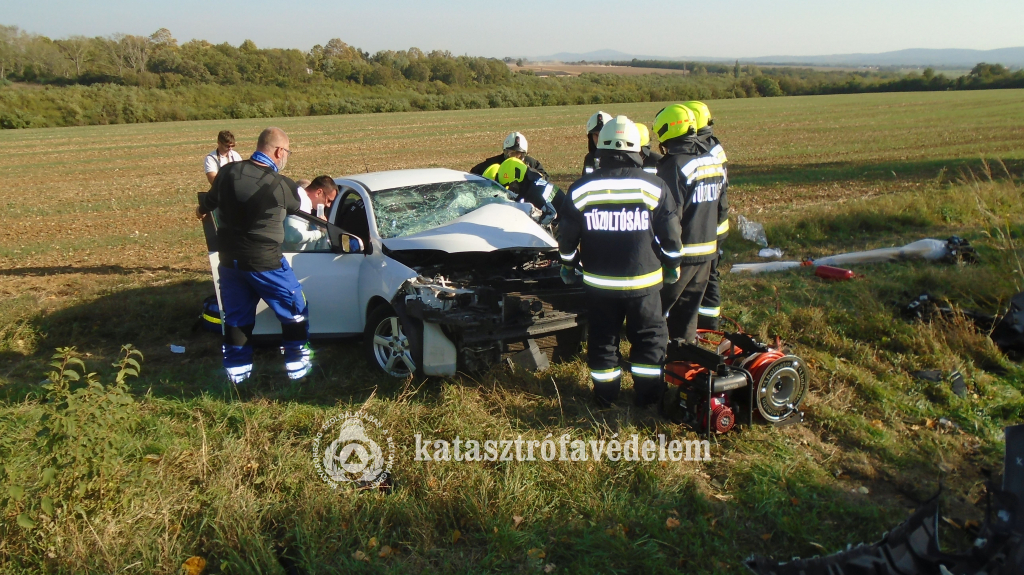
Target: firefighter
<point x="710" y="311"/>
<point x="612" y="222"/>
<point x="529" y="186"/>
<point x="594" y="125"/>
<point x="515" y="146"/>
<point x="651" y="158"/>
<point x="697" y="180"/>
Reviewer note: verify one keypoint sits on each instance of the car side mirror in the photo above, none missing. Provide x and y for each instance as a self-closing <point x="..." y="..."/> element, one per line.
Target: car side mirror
<point x="343" y="242"/>
<point x="350" y="244"/>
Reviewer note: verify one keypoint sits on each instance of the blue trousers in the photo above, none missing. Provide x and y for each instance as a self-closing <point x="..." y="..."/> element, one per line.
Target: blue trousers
<point x="240" y="293"/>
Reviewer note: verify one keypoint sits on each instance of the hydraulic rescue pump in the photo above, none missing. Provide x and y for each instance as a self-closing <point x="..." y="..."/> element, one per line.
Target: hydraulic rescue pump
<point x="744" y="382"/>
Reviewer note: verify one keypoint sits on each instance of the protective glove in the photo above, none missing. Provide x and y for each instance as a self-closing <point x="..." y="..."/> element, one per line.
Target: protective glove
<point x="569" y="275"/>
<point x="548" y="214"/>
<point x="669" y="275"/>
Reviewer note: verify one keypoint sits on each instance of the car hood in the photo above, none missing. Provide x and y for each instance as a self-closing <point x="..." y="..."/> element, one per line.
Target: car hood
<point x="490" y="228"/>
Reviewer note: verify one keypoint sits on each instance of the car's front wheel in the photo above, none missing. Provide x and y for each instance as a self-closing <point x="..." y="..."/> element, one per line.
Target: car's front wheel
<point x="389" y="344"/>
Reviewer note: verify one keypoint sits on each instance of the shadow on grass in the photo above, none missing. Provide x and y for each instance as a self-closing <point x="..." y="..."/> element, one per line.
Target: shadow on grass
<point x="155" y="317"/>
<point x="86" y="270"/>
<point x="942" y="170"/>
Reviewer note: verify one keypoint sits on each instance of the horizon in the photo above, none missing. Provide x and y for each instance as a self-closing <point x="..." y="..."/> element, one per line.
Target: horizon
<point x="834" y="29"/>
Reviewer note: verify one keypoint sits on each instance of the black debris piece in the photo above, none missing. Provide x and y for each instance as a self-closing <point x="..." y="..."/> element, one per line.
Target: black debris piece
<point x="912" y="548"/>
<point x="956" y="380"/>
<point x="1008" y="334"/>
<point x="960" y="250"/>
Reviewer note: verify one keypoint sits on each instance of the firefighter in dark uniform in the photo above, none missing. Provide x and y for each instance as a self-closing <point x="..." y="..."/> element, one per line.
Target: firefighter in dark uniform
<point x="515" y="146"/>
<point x="530" y="186"/>
<point x="252" y="200"/>
<point x="650" y="157"/>
<point x="697" y="181"/>
<point x="612" y="222"/>
<point x="594" y="125"/>
<point x="710" y="311"/>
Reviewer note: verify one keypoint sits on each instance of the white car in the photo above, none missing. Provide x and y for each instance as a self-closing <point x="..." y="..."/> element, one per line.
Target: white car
<point x="439" y="271"/>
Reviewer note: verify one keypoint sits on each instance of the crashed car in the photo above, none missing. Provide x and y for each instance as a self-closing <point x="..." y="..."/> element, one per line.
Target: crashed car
<point x="438" y="270"/>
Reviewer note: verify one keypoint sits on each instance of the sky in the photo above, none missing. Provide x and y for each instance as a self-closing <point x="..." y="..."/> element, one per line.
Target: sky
<point x="530" y="28"/>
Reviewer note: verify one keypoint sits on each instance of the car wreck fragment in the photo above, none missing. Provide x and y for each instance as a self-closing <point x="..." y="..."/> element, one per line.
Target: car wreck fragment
<point x="913" y="548"/>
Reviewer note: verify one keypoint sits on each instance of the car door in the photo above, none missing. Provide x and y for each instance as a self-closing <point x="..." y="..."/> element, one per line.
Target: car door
<point x="330" y="280"/>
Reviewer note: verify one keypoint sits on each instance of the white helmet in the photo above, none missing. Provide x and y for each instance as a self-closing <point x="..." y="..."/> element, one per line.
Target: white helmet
<point x="619" y="134"/>
<point x="516" y="142"/>
<point x="597" y="121"/>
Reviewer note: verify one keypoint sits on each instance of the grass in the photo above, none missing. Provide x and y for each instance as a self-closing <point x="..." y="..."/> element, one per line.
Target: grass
<point x="99" y="248"/>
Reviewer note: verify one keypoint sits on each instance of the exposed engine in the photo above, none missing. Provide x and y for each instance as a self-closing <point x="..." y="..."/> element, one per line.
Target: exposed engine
<point x="490" y="308"/>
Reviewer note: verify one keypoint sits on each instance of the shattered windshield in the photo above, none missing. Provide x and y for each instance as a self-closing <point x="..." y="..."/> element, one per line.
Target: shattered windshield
<point x="413" y="209"/>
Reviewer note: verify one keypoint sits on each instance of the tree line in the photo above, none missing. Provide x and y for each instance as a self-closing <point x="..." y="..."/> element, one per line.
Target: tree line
<point x="130" y="79"/>
<point x="796" y="81"/>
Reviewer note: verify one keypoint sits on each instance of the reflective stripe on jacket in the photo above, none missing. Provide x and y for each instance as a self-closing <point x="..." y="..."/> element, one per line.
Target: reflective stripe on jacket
<point x="620" y="223"/>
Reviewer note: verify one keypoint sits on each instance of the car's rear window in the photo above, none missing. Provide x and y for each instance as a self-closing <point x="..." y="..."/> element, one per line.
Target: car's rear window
<point x="409" y="210"/>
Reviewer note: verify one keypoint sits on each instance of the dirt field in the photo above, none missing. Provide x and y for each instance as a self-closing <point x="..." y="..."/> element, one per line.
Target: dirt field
<point x="107" y="195"/>
<point x="559" y="69"/>
<point x="99" y="247"/>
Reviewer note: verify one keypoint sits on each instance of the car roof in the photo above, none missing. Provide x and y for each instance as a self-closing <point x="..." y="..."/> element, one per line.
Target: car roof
<point x="376" y="181"/>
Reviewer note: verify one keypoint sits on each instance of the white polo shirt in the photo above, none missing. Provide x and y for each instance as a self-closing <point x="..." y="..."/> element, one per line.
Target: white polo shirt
<point x="214" y="161"/>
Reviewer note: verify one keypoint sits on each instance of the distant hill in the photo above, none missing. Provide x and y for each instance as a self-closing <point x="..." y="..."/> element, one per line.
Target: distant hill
<point x="912" y="57"/>
<point x="952" y="57"/>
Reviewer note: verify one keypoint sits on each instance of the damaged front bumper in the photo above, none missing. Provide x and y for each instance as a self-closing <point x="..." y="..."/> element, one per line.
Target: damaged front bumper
<point x="473" y="327"/>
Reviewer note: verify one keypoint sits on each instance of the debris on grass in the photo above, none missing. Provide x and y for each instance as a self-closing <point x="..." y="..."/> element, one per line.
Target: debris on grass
<point x="752" y="231"/>
<point x="193" y="566"/>
<point x="953" y="250"/>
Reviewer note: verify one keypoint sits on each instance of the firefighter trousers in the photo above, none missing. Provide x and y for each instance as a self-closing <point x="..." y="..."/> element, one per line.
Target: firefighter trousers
<point x="647" y="335"/>
<point x="711" y="306"/>
<point x="681" y="300"/>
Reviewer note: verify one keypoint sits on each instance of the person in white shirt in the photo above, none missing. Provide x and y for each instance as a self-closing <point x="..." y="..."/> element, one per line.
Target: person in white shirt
<point x="222" y="156"/>
<point x="301" y="235"/>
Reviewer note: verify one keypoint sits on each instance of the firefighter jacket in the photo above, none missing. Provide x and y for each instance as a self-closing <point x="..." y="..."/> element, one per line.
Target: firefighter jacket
<point x="253" y="202"/>
<point x="621" y="224"/>
<point x="651" y="159"/>
<point x="528" y="160"/>
<point x="590" y="164"/>
<point x="536" y="189"/>
<point x="711" y="144"/>
<point x="698" y="183"/>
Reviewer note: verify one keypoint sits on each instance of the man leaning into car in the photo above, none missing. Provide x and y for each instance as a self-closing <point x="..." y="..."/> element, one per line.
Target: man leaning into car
<point x="253" y="199"/>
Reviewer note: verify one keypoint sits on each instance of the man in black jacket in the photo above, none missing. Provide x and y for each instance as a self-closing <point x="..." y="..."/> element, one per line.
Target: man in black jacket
<point x="594" y="125"/>
<point x="252" y="200"/>
<point x="697" y="180"/>
<point x="515" y="146"/>
<point x="710" y="311"/>
<point x="611" y="222"/>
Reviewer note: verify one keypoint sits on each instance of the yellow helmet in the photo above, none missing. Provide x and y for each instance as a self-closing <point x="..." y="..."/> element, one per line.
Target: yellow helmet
<point x="645" y="134"/>
<point x="511" y="170"/>
<point x="674" y="121"/>
<point x="700" y="112"/>
<point x="491" y="173"/>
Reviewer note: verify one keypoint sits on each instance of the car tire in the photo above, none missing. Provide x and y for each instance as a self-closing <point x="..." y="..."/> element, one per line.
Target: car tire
<point x="391" y="344"/>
